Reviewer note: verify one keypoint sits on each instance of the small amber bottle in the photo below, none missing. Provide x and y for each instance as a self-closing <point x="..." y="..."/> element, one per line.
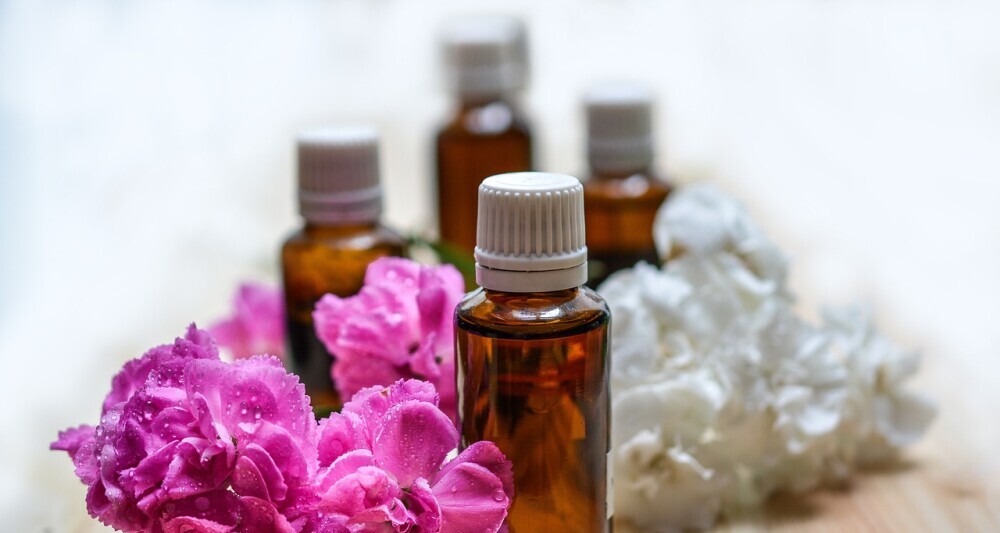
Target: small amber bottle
<point x="486" y="61"/>
<point x="532" y="348"/>
<point x="340" y="200"/>
<point x="622" y="194"/>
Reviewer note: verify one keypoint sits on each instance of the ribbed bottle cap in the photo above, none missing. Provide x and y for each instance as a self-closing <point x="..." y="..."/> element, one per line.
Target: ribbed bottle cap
<point x="339" y="175"/>
<point x="530" y="235"/>
<point x="619" y="127"/>
<point x="486" y="55"/>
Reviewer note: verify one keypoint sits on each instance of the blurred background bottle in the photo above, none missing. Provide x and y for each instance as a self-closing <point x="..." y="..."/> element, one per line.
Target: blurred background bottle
<point x="622" y="192"/>
<point x="486" y="61"/>
<point x="340" y="200"/>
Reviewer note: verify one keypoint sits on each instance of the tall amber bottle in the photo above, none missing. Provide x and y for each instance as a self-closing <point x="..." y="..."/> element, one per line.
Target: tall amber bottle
<point x="486" y="59"/>
<point x="340" y="200"/>
<point x="622" y="193"/>
<point x="532" y="348"/>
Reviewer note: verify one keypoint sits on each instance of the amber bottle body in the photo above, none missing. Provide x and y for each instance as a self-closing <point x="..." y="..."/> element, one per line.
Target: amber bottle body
<point x="317" y="260"/>
<point x="533" y="378"/>
<point x="619" y="209"/>
<point x="486" y="137"/>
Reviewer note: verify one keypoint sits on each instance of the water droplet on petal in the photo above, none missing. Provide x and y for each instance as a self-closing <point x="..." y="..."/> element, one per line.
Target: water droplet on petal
<point x="498" y="495"/>
<point x="202" y="503"/>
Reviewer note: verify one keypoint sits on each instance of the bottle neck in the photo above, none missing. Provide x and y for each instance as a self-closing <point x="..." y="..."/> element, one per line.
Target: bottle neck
<point x="531" y="281"/>
<point x="561" y="294"/>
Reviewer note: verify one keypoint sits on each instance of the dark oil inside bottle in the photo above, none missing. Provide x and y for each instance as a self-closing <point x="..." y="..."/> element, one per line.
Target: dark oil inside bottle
<point x="487" y="137"/>
<point x="619" y="210"/>
<point x="315" y="261"/>
<point x="533" y="375"/>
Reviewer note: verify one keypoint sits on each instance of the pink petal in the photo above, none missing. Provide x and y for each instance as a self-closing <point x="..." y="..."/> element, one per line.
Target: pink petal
<point x="353" y="373"/>
<point x="231" y="334"/>
<point x="423" y="506"/>
<point x="259" y="515"/>
<point x="413" y="440"/>
<point x="256" y="475"/>
<point x="394" y="271"/>
<point x="471" y="499"/>
<point x="257" y="323"/>
<point x="276" y="469"/>
<point x="252" y="391"/>
<point x="151" y="470"/>
<point x="344" y="466"/>
<point x="70" y="440"/>
<point x="441" y="289"/>
<point x="167" y="361"/>
<point x="187" y="524"/>
<point x="368" y="487"/>
<point x="370" y="404"/>
<point x="376" y="322"/>
<point x="338" y="434"/>
<point x="487" y="455"/>
<point x="211" y="512"/>
<point x="424" y="361"/>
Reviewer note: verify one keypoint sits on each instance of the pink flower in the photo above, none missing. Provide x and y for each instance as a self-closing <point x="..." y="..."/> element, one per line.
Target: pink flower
<point x="257" y="325"/>
<point x="399" y="326"/>
<point x="187" y="442"/>
<point x="382" y="467"/>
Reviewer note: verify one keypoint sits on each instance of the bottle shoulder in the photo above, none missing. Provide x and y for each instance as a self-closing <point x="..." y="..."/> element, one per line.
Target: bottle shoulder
<point x="522" y="315"/>
<point x="496" y="118"/>
<point x="355" y="237"/>
<point x="639" y="186"/>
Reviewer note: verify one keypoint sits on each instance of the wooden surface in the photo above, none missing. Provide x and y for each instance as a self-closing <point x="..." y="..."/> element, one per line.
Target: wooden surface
<point x="916" y="496"/>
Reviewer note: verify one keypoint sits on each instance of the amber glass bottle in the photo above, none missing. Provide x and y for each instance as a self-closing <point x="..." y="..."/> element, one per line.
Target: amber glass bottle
<point x="487" y="134"/>
<point x="622" y="194"/>
<point x="532" y="348"/>
<point x="340" y="200"/>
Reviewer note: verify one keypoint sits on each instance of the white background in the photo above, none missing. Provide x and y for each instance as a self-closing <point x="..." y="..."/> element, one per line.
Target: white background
<point x="146" y="166"/>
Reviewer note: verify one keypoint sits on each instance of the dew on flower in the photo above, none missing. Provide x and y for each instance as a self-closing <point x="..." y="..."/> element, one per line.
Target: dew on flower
<point x="202" y="503"/>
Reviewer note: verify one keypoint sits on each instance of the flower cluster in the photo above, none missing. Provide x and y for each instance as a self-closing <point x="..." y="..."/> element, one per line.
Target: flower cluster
<point x="722" y="394"/>
<point x="381" y="464"/>
<point x="399" y="326"/>
<point x="187" y="442"/>
<point x="257" y="325"/>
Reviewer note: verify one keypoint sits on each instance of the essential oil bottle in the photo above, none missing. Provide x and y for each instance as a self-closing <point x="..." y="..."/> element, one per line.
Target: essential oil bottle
<point x="340" y="200"/>
<point x="532" y="348"/>
<point x="622" y="194"/>
<point x="486" y="59"/>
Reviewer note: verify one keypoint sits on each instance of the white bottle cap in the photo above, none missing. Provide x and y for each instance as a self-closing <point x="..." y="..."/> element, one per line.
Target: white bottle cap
<point x="530" y="235"/>
<point x="619" y="128"/>
<point x="339" y="175"/>
<point x="486" y="55"/>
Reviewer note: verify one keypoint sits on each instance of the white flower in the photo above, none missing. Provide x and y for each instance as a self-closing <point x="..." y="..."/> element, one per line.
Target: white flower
<point x="700" y="220"/>
<point x="721" y="395"/>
